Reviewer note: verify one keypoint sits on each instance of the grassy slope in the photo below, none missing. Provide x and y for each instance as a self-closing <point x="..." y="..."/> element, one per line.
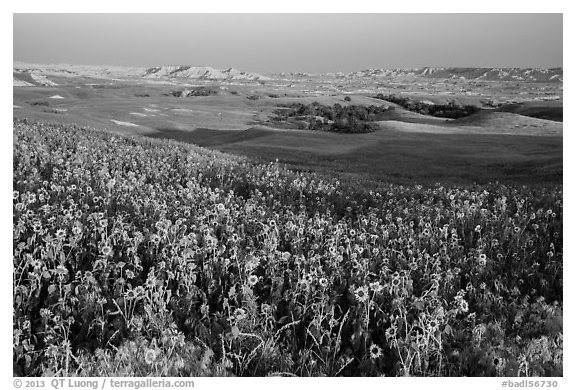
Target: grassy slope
<point x="397" y="156"/>
<point x="544" y="110"/>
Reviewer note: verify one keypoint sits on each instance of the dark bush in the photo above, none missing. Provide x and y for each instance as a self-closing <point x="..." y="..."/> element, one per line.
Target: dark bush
<point x="450" y="110"/>
<point x="201" y="91"/>
<point x="350" y="119"/>
<point x="40" y="103"/>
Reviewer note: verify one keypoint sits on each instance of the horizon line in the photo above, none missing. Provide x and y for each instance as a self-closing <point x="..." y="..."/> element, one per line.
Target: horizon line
<point x="288" y="71"/>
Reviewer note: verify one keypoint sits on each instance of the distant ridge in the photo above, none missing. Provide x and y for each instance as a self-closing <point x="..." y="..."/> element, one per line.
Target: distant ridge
<point x="552" y="75"/>
<point x="23" y="70"/>
<point x="203" y="72"/>
<point x="486" y="74"/>
<point x="36" y="73"/>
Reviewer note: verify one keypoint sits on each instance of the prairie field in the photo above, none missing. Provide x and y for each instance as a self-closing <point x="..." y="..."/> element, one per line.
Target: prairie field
<point x="180" y="221"/>
<point x="136" y="256"/>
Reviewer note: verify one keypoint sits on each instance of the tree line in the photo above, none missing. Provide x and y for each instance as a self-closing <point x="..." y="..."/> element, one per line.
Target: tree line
<point x="449" y="110"/>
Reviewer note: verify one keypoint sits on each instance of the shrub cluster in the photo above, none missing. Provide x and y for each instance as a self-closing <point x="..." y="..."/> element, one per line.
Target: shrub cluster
<point x="336" y="118"/>
<point x="200" y="91"/>
<point x="450" y="110"/>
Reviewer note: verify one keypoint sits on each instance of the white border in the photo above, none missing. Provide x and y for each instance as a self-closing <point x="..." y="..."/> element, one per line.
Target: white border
<point x="358" y="6"/>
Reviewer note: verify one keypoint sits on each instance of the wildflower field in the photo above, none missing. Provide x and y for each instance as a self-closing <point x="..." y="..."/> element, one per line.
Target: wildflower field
<point x="136" y="257"/>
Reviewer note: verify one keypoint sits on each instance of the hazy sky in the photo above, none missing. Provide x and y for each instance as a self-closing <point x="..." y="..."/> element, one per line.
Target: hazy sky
<point x="291" y="42"/>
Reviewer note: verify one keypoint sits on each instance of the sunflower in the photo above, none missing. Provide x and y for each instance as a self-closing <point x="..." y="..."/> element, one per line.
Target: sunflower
<point x="361" y="294"/>
<point x="482" y="260"/>
<point x="240" y="313"/>
<point x="375" y="351"/>
<point x="130" y="294"/>
<point x="391" y="332"/>
<point x="323" y="282"/>
<point x="61" y="270"/>
<point x="52" y="350"/>
<point x="150" y="355"/>
<point x="150" y="282"/>
<point x="376" y="286"/>
<point x="106" y="250"/>
<point x="252" y="280"/>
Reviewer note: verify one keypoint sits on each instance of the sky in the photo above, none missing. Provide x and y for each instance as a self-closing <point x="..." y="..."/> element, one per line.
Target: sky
<point x="272" y="43"/>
